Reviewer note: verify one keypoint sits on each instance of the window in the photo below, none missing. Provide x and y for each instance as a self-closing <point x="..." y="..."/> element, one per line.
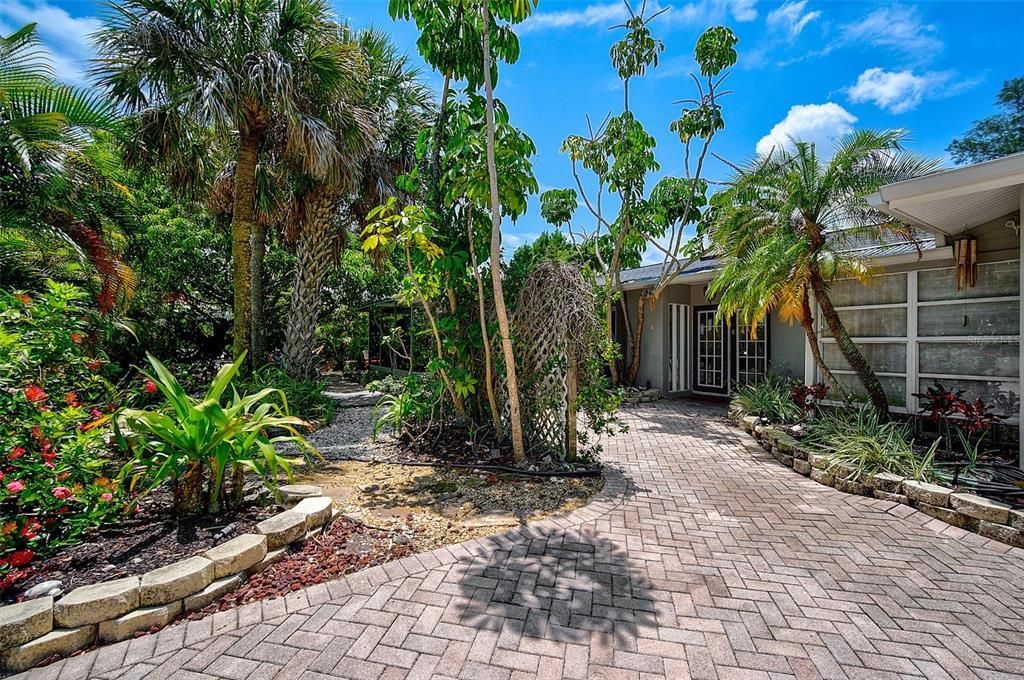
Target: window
<point x="915" y="329"/>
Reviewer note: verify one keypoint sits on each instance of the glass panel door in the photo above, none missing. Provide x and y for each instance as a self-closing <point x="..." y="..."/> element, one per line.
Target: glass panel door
<point x="751" y="354"/>
<point x="710" y="352"/>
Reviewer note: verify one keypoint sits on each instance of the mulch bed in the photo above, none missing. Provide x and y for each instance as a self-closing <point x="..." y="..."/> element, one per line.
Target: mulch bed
<point x="146" y="540"/>
<point x="345" y="547"/>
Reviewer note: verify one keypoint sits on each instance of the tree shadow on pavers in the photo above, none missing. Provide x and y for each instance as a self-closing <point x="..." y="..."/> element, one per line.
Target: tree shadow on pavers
<point x="538" y="593"/>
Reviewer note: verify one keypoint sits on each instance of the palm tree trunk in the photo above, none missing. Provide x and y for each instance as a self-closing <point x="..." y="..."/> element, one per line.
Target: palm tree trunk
<point x="258" y="355"/>
<point x="807" y="323"/>
<point x="313" y="259"/>
<point x="515" y="415"/>
<point x="242" y="220"/>
<point x="492" y="402"/>
<point x="849" y="350"/>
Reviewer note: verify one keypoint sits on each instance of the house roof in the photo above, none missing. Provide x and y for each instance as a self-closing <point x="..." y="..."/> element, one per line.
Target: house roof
<point x="702" y="269"/>
<point x="953" y="201"/>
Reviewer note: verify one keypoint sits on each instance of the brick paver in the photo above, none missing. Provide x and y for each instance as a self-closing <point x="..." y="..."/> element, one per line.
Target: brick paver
<point x="702" y="559"/>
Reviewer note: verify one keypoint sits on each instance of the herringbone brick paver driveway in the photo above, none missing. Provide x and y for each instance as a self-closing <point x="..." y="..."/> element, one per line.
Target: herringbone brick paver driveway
<point x="703" y="559"/>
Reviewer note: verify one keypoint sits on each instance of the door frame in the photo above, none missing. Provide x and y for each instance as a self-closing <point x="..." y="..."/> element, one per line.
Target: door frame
<point x="734" y="335"/>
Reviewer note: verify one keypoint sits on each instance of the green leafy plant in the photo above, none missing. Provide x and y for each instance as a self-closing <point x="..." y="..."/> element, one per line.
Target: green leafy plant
<point x="194" y="442"/>
<point x="770" y="398"/>
<point x="305" y="398"/>
<point x="859" y="437"/>
<point x="405" y="409"/>
<point x="54" y="422"/>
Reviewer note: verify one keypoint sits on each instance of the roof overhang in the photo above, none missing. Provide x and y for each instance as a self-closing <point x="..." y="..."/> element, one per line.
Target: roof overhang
<point x="954" y="201"/>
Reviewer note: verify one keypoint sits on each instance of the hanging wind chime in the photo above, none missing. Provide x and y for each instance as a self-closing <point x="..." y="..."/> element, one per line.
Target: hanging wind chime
<point x="965" y="253"/>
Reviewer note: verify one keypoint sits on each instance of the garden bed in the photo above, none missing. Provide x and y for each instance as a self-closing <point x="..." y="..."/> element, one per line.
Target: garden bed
<point x="145" y="540"/>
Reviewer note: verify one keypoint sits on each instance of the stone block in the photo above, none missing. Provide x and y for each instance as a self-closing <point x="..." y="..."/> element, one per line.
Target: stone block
<point x="818" y="461"/>
<point x="747" y="423"/>
<point x="176" y="581"/>
<point x="25" y="621"/>
<point x="1016" y="519"/>
<point x="124" y="627"/>
<point x="980" y="508"/>
<point x="317" y="511"/>
<point x="293" y="493"/>
<point x="894" y="497"/>
<point x="848" y="486"/>
<point x="273" y="557"/>
<point x="822" y="477"/>
<point x="238" y="554"/>
<point x="212" y="592"/>
<point x="949" y="516"/>
<point x="60" y="641"/>
<point x="1001" y="533"/>
<point x="800" y="452"/>
<point x="923" y="492"/>
<point x="885" y="481"/>
<point x="785" y="460"/>
<point x="282" y="529"/>
<point x="802" y="466"/>
<point x="97" y="602"/>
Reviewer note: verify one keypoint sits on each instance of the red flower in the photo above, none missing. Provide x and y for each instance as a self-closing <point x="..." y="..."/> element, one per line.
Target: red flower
<point x="94" y="365"/>
<point x="16" y="453"/>
<point x="71" y="399"/>
<point x="76" y="338"/>
<point x="31" y="529"/>
<point x="61" y="492"/>
<point x="37" y="434"/>
<point x="35" y="394"/>
<point x="150" y="386"/>
<point x="8" y="528"/>
<point x="96" y="413"/>
<point x="15" y="486"/>
<point x="19" y="558"/>
<point x="24" y="299"/>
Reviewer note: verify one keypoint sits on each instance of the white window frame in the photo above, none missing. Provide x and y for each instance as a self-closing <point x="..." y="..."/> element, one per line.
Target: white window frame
<point x="912" y="340"/>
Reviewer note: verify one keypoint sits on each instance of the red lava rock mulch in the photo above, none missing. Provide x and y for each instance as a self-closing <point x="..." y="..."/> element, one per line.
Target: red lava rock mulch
<point x="347" y="546"/>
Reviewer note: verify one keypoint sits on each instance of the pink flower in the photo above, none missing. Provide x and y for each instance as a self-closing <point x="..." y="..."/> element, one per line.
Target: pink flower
<point x="96" y="413"/>
<point x="61" y="492"/>
<point x="150" y="386"/>
<point x="15" y="487"/>
<point x="107" y="497"/>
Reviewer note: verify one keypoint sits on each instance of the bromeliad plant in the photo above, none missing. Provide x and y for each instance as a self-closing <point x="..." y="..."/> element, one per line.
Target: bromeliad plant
<point x="193" y="443"/>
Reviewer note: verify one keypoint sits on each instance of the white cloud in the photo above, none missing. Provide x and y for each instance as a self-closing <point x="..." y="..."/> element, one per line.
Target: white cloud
<point x="897" y="28"/>
<point x="900" y="91"/>
<point x="65" y="37"/>
<point x="603" y="15"/>
<point x="791" y="19"/>
<point x="820" y="124"/>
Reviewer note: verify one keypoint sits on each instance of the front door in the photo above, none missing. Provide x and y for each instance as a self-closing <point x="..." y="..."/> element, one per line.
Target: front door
<point x="751" y="353"/>
<point x="710" y="372"/>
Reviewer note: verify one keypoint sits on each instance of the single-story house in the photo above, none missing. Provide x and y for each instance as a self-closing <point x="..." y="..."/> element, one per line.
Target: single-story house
<point x="911" y="322"/>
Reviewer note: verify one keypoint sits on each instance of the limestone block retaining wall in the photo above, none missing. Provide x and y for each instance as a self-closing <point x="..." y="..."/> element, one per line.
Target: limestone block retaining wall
<point x="116" y="610"/>
<point x="991" y="519"/>
<point x="641" y="396"/>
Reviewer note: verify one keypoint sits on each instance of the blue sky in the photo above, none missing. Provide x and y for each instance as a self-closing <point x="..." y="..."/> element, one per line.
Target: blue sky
<point x="809" y="69"/>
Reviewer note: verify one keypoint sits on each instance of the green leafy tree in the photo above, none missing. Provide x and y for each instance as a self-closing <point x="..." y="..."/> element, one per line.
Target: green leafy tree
<point x="998" y="135"/>
<point x="784" y="227"/>
<point x="235" y="66"/>
<point x="619" y="154"/>
<point x="381" y="116"/>
<point x="58" y="189"/>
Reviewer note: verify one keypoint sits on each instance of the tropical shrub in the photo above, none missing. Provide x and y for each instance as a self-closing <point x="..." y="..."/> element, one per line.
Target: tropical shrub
<point x="406" y="408"/>
<point x="858" y="437"/>
<point x="304" y="398"/>
<point x="55" y="466"/>
<point x="193" y="443"/>
<point x="771" y="398"/>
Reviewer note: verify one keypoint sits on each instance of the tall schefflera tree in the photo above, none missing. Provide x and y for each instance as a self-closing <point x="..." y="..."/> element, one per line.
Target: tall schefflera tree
<point x="614" y="159"/>
<point x="465" y="40"/>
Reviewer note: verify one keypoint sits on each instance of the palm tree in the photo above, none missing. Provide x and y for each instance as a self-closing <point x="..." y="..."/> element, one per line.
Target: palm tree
<point x="236" y="66"/>
<point x="377" y="122"/>
<point x="50" y="166"/>
<point x="785" y="226"/>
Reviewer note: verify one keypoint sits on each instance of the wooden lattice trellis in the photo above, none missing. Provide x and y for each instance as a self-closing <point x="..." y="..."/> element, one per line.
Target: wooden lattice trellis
<point x="553" y="327"/>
